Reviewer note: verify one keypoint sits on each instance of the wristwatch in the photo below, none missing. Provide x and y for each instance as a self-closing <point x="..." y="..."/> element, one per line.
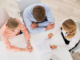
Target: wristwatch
<point x="27" y="42"/>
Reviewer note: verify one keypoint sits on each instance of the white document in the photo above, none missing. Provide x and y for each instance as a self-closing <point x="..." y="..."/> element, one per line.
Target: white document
<point x="43" y="47"/>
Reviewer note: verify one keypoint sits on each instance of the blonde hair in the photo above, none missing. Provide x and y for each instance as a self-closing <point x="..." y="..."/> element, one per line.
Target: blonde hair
<point x="70" y="25"/>
<point x="12" y="23"/>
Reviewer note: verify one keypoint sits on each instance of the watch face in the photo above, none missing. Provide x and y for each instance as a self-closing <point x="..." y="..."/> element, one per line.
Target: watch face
<point x="54" y="57"/>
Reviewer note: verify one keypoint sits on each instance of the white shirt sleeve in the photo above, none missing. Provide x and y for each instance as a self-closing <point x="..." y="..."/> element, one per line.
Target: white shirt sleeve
<point x="66" y="47"/>
<point x="73" y="41"/>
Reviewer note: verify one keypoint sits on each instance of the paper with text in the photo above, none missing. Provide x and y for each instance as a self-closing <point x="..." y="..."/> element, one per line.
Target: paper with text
<point x="43" y="47"/>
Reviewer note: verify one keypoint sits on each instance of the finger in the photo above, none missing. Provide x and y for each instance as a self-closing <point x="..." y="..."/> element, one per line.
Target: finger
<point x="53" y="25"/>
<point x="31" y="26"/>
<point x="50" y="23"/>
<point x="48" y="37"/>
<point x="50" y="46"/>
<point x="30" y="49"/>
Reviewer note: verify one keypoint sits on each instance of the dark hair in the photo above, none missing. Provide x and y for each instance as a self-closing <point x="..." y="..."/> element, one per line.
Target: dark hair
<point x="12" y="23"/>
<point x="39" y="13"/>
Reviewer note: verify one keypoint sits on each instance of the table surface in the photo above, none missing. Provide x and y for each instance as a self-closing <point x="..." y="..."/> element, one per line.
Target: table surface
<point x="56" y="40"/>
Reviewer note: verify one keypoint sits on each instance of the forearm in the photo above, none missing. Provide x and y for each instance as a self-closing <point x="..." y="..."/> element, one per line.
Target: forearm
<point x="12" y="48"/>
<point x="27" y="36"/>
<point x="64" y="47"/>
<point x="50" y="26"/>
<point x="37" y="30"/>
<point x="43" y="24"/>
<point x="21" y="49"/>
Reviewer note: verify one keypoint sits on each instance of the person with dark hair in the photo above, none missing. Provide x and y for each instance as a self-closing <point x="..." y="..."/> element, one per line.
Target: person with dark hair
<point x="38" y="18"/>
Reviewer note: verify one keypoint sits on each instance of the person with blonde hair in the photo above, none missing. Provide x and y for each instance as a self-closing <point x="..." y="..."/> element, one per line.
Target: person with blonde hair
<point x="12" y="28"/>
<point x="69" y="32"/>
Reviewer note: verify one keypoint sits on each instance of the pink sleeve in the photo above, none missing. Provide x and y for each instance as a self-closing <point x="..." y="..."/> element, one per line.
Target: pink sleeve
<point x="26" y="32"/>
<point x="7" y="43"/>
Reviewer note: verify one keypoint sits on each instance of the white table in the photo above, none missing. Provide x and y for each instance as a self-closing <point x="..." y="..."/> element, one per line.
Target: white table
<point x="56" y="39"/>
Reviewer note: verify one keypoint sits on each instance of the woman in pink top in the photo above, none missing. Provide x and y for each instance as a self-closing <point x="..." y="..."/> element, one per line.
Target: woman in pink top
<point x="11" y="29"/>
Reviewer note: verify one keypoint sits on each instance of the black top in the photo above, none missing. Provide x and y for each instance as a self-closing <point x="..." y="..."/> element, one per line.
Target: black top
<point x="65" y="40"/>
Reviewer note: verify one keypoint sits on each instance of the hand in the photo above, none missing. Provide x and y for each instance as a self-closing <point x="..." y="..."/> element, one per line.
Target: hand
<point x="50" y="35"/>
<point x="34" y="25"/>
<point x="53" y="47"/>
<point x="50" y="26"/>
<point x="29" y="47"/>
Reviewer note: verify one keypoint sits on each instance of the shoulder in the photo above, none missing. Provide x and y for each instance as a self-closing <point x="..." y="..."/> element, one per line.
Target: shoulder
<point x="76" y="38"/>
<point x="3" y="29"/>
<point x="30" y="8"/>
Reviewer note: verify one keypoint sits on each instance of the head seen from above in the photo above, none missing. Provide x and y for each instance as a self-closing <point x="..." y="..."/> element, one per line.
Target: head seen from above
<point x="39" y="13"/>
<point x="13" y="24"/>
<point x="70" y="27"/>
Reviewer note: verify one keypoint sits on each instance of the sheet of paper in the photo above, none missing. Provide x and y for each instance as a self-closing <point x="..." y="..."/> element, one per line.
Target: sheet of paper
<point x="43" y="47"/>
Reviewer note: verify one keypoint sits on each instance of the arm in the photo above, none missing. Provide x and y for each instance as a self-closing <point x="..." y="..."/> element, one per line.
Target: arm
<point x="66" y="47"/>
<point x="26" y="32"/>
<point x="73" y="42"/>
<point x="28" y="23"/>
<point x="8" y="45"/>
<point x="63" y="47"/>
